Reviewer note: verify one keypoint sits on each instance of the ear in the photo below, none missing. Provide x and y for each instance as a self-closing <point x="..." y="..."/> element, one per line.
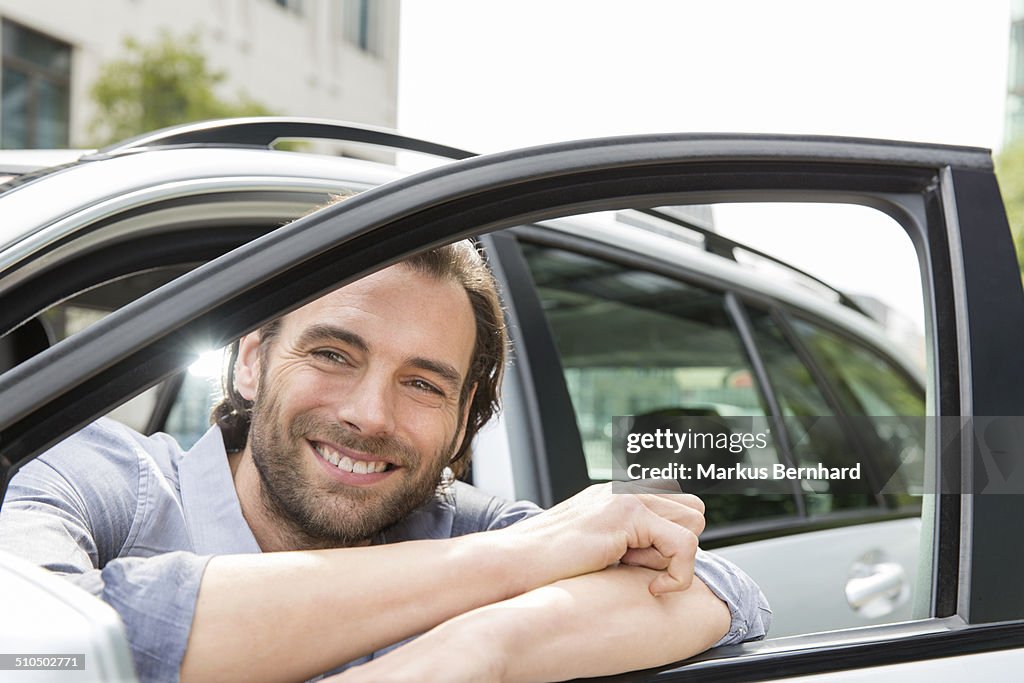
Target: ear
<point x="247" y="366"/>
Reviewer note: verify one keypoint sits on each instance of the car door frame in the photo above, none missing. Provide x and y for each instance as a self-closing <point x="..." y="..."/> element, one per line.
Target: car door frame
<point x="948" y="194"/>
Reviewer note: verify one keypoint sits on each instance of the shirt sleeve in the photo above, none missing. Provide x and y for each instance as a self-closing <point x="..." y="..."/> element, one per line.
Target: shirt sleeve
<point x="749" y="610"/>
<point x="510" y="513"/>
<point x="476" y="511"/>
<point x="73" y="511"/>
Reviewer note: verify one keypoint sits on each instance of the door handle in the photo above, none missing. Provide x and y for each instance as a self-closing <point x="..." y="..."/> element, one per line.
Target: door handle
<point x="875" y="587"/>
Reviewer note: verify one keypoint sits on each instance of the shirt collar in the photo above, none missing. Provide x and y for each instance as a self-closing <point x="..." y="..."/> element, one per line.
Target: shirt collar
<point x="212" y="511"/>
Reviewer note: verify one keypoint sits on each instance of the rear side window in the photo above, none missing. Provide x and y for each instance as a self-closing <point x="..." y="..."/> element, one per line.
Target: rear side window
<point x="817" y="432"/>
<point x="869" y="384"/>
<point x="633" y="342"/>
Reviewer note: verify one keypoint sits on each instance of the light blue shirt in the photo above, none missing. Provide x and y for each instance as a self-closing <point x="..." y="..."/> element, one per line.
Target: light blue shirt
<point x="134" y="520"/>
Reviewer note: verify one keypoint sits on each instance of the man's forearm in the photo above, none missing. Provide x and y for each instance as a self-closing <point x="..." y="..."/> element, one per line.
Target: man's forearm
<point x="601" y="623"/>
<point x="291" y="615"/>
<point x="295" y="614"/>
<point x="604" y="623"/>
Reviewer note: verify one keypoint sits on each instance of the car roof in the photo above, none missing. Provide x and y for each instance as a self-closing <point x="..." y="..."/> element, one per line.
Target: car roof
<point x="33" y="211"/>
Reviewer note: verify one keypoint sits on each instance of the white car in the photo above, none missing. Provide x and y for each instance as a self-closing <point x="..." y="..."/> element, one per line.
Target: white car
<point x="119" y="267"/>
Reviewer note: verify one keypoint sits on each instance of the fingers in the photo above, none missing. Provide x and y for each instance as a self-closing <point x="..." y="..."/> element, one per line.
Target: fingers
<point x="605" y="525"/>
<point x="685" y="509"/>
<point x="645" y="557"/>
<point x="668" y="539"/>
<point x="679" y="547"/>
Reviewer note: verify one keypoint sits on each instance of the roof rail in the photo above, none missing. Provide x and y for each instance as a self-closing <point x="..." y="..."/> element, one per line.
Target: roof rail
<point x="720" y="245"/>
<point x="263" y="131"/>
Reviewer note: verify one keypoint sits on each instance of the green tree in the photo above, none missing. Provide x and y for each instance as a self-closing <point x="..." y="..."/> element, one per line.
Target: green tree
<point x="1010" y="171"/>
<point x="160" y="84"/>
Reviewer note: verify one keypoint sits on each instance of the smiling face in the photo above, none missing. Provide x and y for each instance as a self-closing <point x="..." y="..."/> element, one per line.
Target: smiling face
<point x="357" y="405"/>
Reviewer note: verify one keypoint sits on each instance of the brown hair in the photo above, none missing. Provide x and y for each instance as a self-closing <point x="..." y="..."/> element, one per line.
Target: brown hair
<point x="460" y="262"/>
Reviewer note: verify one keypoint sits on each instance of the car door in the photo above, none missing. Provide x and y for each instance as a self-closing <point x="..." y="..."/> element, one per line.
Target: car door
<point x="945" y="197"/>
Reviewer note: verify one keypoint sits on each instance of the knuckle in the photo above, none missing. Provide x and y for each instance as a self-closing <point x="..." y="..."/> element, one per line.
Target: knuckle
<point x="629" y="504"/>
<point x="698" y="525"/>
<point x="689" y="541"/>
<point x="697" y="504"/>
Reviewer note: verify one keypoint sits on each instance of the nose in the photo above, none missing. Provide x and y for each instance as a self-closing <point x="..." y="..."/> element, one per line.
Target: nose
<point x="367" y="405"/>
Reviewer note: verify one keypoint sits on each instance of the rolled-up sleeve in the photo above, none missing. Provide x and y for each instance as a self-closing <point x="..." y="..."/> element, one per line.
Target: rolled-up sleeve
<point x="156" y="599"/>
<point x="749" y="609"/>
<point x="74" y="530"/>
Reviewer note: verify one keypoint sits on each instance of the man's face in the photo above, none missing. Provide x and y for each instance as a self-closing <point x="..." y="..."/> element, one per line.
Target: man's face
<point x="357" y="404"/>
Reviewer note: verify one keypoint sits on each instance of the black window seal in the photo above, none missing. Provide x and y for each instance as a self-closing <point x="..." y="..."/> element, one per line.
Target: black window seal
<point x="783" y="443"/>
<point x="561" y="468"/>
<point x="992" y="311"/>
<point x="748" y="532"/>
<point x="263" y="131"/>
<point x="741" y="663"/>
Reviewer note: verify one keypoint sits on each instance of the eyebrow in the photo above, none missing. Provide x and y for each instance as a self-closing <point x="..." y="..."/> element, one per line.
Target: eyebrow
<point x="446" y="372"/>
<point x="321" y="332"/>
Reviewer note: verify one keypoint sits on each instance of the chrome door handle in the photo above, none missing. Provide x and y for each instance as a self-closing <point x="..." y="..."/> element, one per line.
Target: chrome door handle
<point x="876" y="588"/>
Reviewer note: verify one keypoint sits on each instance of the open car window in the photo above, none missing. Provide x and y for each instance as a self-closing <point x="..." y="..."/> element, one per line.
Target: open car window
<point x="698" y="351"/>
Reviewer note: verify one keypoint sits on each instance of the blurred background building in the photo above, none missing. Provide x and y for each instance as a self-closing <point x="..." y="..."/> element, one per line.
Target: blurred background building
<point x="320" y="58"/>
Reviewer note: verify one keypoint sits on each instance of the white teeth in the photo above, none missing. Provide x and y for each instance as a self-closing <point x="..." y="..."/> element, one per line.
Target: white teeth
<point x="343" y="462"/>
<point x="326" y="453"/>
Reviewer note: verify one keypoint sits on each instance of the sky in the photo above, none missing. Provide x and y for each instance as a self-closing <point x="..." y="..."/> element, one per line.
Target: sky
<point x="491" y="75"/>
<point x="498" y="74"/>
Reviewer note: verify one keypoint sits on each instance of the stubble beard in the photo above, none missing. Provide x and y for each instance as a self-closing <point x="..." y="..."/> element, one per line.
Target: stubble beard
<point x="315" y="513"/>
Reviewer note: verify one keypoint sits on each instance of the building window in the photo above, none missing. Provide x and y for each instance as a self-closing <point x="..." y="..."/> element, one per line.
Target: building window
<point x="36" y="89"/>
<point x="359" y="24"/>
<point x="291" y="5"/>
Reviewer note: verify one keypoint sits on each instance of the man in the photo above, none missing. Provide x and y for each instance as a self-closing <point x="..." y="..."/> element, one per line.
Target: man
<point x="273" y="550"/>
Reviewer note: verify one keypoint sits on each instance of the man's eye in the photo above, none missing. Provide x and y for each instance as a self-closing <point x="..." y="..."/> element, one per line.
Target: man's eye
<point x="331" y="356"/>
<point x="425" y="386"/>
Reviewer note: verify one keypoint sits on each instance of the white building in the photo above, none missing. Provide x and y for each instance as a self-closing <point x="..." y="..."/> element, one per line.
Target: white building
<point x="322" y="58"/>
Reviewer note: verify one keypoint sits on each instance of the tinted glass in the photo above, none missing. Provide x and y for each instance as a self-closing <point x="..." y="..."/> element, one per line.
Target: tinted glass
<point x="870" y="384"/>
<point x="637" y="343"/>
<point x="814" y="432"/>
